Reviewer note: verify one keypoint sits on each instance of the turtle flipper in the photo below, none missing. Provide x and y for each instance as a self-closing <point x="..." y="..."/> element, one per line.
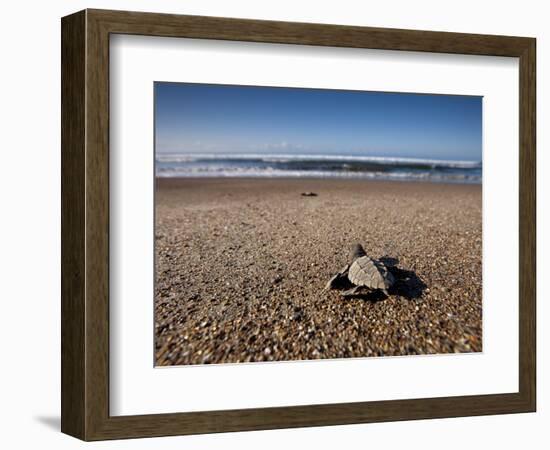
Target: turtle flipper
<point x="338" y="280"/>
<point x="356" y="290"/>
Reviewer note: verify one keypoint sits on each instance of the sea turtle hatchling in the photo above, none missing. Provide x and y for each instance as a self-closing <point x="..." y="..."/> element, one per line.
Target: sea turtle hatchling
<point x="363" y="272"/>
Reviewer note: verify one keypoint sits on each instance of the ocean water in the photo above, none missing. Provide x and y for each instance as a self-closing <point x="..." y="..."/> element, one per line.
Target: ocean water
<point x="318" y="166"/>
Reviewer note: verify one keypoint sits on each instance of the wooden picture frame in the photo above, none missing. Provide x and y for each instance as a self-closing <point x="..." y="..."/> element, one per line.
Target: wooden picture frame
<point x="85" y="224"/>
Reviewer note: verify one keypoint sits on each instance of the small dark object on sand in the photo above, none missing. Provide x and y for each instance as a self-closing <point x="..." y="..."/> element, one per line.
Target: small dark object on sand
<point x="309" y="194"/>
<point x="363" y="273"/>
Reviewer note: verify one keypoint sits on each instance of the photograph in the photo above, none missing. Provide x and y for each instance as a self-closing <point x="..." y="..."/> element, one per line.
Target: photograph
<point x="296" y="223"/>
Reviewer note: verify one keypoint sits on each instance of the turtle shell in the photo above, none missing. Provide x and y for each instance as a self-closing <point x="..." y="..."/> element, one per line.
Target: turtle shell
<point x="370" y="273"/>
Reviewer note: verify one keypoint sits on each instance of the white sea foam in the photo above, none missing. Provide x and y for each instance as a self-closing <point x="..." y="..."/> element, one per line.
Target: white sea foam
<point x="281" y="158"/>
<point x="316" y="166"/>
<point x="277" y="173"/>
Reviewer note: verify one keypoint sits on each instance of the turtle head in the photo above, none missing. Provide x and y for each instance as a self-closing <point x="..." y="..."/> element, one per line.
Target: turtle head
<point x="357" y="251"/>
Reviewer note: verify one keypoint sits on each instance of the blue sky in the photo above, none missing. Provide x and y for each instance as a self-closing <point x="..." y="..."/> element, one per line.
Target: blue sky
<point x="205" y="118"/>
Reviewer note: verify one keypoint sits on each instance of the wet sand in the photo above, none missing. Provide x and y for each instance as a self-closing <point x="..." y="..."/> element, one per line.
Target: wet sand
<point x="241" y="265"/>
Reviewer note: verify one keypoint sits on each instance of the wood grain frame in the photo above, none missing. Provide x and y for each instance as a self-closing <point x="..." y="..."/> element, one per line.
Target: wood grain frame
<point x="85" y="224"/>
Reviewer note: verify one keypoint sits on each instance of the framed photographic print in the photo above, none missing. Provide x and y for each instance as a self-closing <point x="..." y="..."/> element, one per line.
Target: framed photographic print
<point x="270" y="224"/>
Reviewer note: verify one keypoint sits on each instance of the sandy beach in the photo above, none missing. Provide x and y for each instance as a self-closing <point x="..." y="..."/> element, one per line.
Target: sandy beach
<point x="241" y="265"/>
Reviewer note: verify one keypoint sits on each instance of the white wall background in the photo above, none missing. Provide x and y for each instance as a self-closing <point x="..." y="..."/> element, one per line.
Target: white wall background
<point x="30" y="220"/>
